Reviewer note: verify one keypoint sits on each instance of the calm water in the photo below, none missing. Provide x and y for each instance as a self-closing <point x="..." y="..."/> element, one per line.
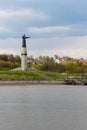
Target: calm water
<point x="43" y="108"/>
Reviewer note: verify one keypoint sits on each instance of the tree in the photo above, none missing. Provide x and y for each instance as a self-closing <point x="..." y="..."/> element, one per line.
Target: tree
<point x="11" y="58"/>
<point x="17" y="59"/>
<point x="56" y="56"/>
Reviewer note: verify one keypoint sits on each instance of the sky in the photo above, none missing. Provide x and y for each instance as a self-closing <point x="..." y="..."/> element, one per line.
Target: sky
<point x="56" y="27"/>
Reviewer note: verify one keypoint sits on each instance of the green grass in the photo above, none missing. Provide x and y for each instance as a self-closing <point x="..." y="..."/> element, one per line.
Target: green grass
<point x="4" y="69"/>
<point x="54" y="75"/>
<point x="19" y="75"/>
<point x="26" y="75"/>
<point x="5" y="74"/>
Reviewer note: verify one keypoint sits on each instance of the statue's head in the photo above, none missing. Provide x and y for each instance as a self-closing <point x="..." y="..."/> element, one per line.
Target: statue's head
<point x="23" y="36"/>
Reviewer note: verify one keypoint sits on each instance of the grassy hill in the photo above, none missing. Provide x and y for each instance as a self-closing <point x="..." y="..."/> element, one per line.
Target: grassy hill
<point x="27" y="75"/>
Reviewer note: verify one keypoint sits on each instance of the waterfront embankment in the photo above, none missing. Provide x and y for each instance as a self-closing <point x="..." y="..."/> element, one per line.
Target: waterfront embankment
<point x="32" y="82"/>
<point x="51" y="78"/>
<point x="41" y="82"/>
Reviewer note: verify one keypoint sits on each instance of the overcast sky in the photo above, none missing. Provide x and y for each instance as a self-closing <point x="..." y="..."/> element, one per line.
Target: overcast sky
<point x="55" y="27"/>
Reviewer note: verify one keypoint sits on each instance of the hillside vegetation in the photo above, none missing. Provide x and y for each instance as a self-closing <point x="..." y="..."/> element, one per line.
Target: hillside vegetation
<point x="41" y="68"/>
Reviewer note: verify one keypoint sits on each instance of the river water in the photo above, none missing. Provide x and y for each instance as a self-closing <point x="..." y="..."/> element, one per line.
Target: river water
<point x="43" y="107"/>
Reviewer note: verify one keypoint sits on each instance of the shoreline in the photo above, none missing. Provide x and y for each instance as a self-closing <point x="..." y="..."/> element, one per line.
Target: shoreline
<point x="34" y="82"/>
<point x="38" y="82"/>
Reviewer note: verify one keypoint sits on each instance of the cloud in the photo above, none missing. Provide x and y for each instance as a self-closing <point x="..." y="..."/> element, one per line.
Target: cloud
<point x="48" y="29"/>
<point x="58" y="31"/>
<point x="22" y="13"/>
<point x="4" y="29"/>
<point x="11" y="43"/>
<point x="67" y="46"/>
<point x="9" y="51"/>
<point x="14" y="22"/>
<point x="54" y="26"/>
<point x="61" y="43"/>
<point x="75" y="53"/>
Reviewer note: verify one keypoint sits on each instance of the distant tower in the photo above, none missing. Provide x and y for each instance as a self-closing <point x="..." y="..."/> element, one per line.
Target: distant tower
<point x="24" y="53"/>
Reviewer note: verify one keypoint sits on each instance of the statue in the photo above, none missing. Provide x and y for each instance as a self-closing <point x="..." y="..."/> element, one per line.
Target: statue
<point x="24" y="53"/>
<point x="24" y="40"/>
